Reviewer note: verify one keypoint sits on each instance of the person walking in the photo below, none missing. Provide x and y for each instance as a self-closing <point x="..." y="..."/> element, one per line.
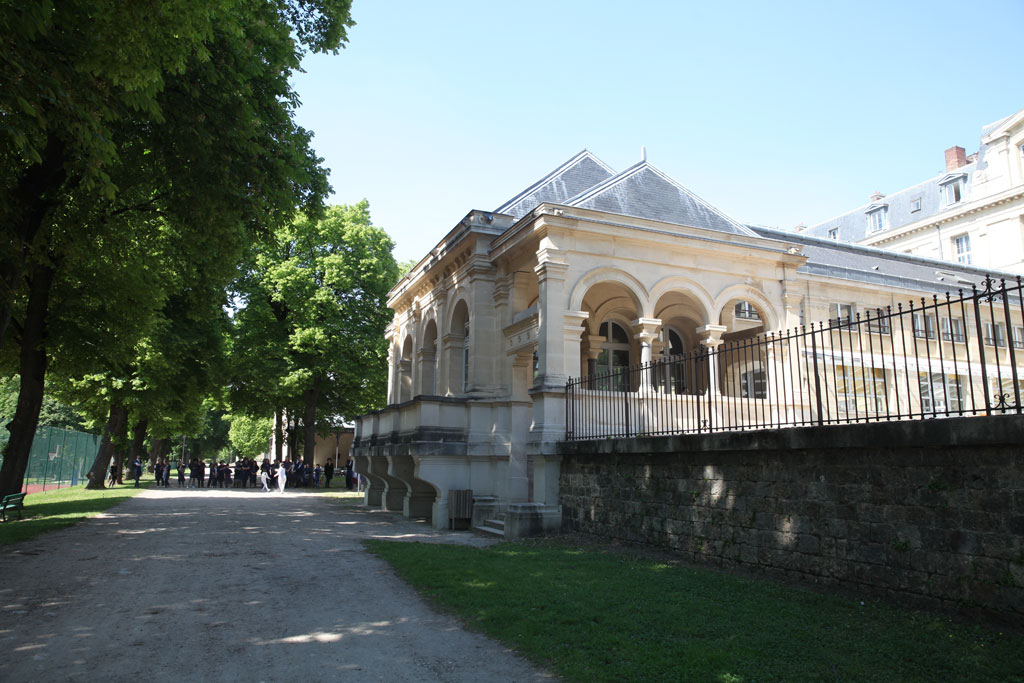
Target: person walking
<point x="350" y="474"/>
<point x="328" y="473"/>
<point x="137" y="470"/>
<point x="265" y="477"/>
<point x="167" y="473"/>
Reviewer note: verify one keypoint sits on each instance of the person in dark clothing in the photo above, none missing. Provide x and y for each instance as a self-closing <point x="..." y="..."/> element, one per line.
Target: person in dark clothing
<point x="181" y="473"/>
<point x="137" y="470"/>
<point x="328" y="473"/>
<point x="350" y="474"/>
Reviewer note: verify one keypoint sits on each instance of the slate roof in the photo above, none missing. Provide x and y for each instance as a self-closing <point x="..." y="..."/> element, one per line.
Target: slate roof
<point x="878" y="266"/>
<point x="643" y="191"/>
<point x="568" y="180"/>
<point x="853" y="225"/>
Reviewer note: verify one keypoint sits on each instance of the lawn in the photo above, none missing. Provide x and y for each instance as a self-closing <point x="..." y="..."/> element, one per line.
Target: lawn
<point x="588" y="614"/>
<point x="60" y="508"/>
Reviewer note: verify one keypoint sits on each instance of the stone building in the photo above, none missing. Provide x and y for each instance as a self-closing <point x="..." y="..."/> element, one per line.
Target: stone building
<point x="587" y="269"/>
<point x="972" y="213"/>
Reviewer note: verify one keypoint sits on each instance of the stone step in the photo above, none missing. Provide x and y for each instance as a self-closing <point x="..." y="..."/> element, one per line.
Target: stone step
<point x="493" y="527"/>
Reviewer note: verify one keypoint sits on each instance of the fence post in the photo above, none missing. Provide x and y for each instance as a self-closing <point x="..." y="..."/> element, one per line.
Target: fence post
<point x="981" y="345"/>
<point x="817" y="378"/>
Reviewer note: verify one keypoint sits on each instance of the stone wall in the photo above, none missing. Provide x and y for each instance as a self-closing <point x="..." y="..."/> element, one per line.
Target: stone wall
<point x="929" y="513"/>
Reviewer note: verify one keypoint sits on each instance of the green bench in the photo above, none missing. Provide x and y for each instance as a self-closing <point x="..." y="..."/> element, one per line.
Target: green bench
<point x="15" y="501"/>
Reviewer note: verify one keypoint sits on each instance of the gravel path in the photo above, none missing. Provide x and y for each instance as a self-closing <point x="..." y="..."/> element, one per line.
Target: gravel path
<point x="228" y="585"/>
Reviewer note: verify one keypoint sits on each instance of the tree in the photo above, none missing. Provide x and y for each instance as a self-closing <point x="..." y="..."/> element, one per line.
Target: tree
<point x="151" y="132"/>
<point x="317" y="294"/>
<point x="250" y="436"/>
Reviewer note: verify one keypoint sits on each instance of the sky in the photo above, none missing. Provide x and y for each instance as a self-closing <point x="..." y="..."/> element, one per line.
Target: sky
<point x="777" y="113"/>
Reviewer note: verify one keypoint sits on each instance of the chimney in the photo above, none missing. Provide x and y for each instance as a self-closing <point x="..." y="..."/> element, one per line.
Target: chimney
<point x="955" y="158"/>
<point x="876" y="195"/>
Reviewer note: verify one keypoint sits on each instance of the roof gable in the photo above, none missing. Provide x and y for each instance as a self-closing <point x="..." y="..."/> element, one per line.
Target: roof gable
<point x="568" y="180"/>
<point x="643" y="191"/>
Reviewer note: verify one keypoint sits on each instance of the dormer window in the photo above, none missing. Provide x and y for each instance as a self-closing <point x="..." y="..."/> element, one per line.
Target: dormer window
<point x="915" y="205"/>
<point x="833" y="233"/>
<point x="952" y="188"/>
<point x="878" y="219"/>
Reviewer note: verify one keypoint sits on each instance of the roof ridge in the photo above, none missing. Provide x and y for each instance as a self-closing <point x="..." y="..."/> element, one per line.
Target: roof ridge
<point x="559" y="170"/>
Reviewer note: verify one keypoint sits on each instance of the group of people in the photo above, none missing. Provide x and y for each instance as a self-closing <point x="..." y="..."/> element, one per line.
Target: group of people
<point x="247" y="473"/>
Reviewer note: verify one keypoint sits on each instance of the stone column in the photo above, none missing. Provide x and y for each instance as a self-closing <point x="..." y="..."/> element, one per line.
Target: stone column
<point x="646" y="331"/>
<point x="548" y="392"/>
<point x="711" y="339"/>
<point x="392" y="374"/>
<point x="426" y="380"/>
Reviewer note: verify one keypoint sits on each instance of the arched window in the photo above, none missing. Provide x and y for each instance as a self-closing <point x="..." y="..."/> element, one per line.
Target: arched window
<point x="672" y="380"/>
<point x="614" y="357"/>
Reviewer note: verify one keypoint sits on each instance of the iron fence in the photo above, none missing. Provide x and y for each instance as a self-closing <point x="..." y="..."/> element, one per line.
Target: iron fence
<point x="952" y="355"/>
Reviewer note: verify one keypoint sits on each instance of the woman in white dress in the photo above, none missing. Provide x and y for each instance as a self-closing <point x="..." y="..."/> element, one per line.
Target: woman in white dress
<point x="282" y="477"/>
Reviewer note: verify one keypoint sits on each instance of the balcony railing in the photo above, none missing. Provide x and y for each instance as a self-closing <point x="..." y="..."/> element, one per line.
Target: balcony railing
<point x="866" y="368"/>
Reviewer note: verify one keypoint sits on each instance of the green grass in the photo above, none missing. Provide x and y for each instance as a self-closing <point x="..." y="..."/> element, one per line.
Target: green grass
<point x="590" y="615"/>
<point x="60" y="508"/>
<point x="344" y="497"/>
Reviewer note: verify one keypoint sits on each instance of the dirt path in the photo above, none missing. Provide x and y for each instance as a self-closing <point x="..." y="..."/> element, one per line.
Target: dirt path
<point x="226" y="585"/>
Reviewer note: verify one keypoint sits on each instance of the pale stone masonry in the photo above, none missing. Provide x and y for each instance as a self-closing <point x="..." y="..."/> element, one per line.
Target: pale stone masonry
<point x="587" y="270"/>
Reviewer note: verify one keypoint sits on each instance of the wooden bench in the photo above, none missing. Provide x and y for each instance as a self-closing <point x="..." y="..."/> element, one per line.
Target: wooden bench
<point x="15" y="501"/>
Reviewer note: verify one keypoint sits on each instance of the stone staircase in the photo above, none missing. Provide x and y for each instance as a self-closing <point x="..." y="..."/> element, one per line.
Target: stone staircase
<point x="492" y="527"/>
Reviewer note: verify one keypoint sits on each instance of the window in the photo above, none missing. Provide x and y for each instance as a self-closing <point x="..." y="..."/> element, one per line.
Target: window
<point x="953" y="330"/>
<point x="746" y="311"/>
<point x="833" y="233"/>
<point x="840" y="314"/>
<point x="924" y="326"/>
<point x="878" y="323"/>
<point x="962" y="249"/>
<point x="994" y="334"/>
<point x="860" y="390"/>
<point x="1018" y="337"/>
<point x="940" y="393"/>
<point x="877" y="219"/>
<point x="614" y="358"/>
<point x="915" y="205"/>
<point x="951" y="192"/>
<point x="753" y="384"/>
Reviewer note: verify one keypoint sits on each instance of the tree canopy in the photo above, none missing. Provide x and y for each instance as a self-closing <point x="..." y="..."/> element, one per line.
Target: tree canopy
<point x="316" y="294"/>
<point x="142" y="147"/>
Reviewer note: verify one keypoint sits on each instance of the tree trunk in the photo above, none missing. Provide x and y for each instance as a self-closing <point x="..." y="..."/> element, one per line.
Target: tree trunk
<point x="158" y="451"/>
<point x="120" y="444"/>
<point x="278" y="435"/>
<point x="32" y="369"/>
<point x="138" y="446"/>
<point x="293" y="437"/>
<point x="100" y="466"/>
<point x="33" y="199"/>
<point x="311" y="396"/>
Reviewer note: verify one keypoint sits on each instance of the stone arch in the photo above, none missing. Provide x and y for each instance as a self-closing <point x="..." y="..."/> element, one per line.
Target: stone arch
<point x="610" y="297"/>
<point x="457" y="347"/>
<point x="740" y="292"/>
<point x="629" y="283"/>
<point x="427" y="360"/>
<point x="405" y="365"/>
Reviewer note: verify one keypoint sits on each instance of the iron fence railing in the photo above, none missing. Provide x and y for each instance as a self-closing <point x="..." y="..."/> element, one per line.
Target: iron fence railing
<point x="952" y="355"/>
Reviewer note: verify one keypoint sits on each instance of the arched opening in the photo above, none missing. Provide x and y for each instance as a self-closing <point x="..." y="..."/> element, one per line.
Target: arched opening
<point x="405" y="371"/>
<point x="680" y="368"/>
<point x="457" y="345"/>
<point x="742" y="361"/>
<point x="608" y="346"/>
<point x="428" y="360"/>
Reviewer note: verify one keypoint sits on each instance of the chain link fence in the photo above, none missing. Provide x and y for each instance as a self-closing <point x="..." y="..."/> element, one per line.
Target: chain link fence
<point x="59" y="458"/>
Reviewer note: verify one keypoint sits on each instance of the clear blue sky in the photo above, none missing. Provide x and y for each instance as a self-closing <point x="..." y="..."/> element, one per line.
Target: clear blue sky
<point x="776" y="113"/>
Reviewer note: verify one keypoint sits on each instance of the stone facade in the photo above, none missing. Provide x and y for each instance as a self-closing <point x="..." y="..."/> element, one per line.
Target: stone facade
<point x="589" y="270"/>
<point x="929" y="513"/>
